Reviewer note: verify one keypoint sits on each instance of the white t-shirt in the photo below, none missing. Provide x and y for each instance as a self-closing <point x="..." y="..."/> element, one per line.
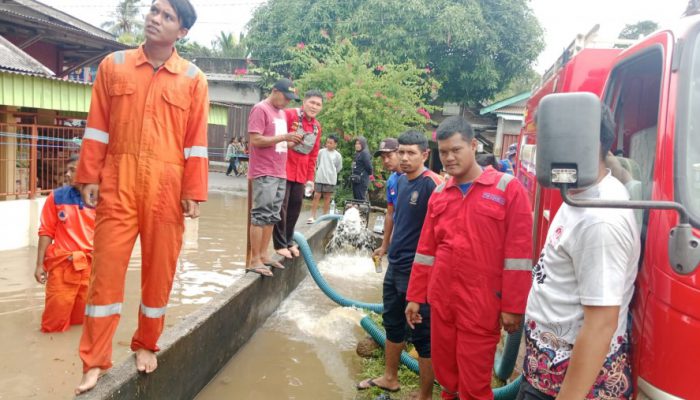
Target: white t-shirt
<point x="590" y="258"/>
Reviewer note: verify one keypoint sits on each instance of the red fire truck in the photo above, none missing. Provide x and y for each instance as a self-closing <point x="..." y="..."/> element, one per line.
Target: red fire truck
<point x="653" y="90"/>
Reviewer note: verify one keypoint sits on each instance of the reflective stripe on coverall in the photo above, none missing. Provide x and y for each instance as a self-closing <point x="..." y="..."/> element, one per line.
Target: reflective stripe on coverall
<point x="71" y="227"/>
<point x="472" y="263"/>
<point x="146" y="145"/>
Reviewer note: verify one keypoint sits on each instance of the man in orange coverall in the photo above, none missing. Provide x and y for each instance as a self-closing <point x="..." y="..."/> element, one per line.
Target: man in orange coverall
<point x="472" y="264"/>
<point x="144" y="156"/>
<point x="65" y="254"/>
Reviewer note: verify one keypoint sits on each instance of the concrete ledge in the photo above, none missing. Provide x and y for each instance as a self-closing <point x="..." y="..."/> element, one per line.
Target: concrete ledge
<point x="193" y="351"/>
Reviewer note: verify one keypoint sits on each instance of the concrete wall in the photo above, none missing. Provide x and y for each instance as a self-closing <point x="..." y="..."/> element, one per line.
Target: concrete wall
<point x="20" y="221"/>
<point x="230" y="92"/>
<point x="193" y="351"/>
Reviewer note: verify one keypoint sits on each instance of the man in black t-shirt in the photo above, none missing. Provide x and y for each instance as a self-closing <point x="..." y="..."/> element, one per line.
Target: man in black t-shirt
<point x="415" y="187"/>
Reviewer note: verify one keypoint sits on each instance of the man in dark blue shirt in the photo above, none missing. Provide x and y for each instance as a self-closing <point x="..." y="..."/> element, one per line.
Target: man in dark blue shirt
<point x="415" y="187"/>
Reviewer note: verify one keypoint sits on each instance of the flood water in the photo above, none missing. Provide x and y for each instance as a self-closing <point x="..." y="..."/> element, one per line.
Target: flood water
<point x="306" y="349"/>
<point x="46" y="366"/>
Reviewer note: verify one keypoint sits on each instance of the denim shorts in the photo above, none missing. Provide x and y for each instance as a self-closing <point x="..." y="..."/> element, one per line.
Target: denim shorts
<point x="268" y="193"/>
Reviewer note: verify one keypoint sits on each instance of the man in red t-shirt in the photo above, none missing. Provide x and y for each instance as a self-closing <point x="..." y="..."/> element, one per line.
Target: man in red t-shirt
<point x="301" y="165"/>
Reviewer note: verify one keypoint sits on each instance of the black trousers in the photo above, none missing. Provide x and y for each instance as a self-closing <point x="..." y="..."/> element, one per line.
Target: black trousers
<point x="359" y="190"/>
<point x="528" y="392"/>
<point x="289" y="214"/>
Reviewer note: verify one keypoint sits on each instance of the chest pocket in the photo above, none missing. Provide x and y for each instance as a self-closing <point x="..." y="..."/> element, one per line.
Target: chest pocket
<point x="122" y="100"/>
<point x="486" y="207"/>
<point x="176" y="109"/>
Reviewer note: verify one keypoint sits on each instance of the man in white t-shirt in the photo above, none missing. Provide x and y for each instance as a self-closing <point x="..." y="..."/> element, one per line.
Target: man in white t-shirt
<point x="577" y="345"/>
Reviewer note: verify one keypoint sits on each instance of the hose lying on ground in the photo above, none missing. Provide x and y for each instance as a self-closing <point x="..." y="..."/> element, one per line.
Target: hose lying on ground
<point x="503" y="367"/>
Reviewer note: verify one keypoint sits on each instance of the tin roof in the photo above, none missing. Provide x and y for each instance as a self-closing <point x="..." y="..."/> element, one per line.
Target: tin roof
<point x="43" y="13"/>
<point x="511" y="101"/>
<point x="14" y="59"/>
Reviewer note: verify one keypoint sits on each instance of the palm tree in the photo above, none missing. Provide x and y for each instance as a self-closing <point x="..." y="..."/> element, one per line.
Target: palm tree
<point x="125" y="21"/>
<point x="226" y="45"/>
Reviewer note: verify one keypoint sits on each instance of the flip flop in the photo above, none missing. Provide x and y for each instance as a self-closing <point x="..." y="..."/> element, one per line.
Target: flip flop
<point x="371" y="383"/>
<point x="274" y="264"/>
<point x="258" y="270"/>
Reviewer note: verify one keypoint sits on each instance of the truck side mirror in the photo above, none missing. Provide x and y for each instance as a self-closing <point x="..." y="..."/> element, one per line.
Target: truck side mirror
<point x="568" y="140"/>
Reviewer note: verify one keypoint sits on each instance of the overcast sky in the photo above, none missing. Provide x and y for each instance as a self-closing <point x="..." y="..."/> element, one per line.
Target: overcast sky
<point x="561" y="19"/>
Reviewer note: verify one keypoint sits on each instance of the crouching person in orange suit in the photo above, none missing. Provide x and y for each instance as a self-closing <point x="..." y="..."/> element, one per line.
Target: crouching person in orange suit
<point x="144" y="165"/>
<point x="65" y="254"/>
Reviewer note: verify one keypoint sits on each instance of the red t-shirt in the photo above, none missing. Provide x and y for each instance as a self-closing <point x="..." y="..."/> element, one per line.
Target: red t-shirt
<point x="267" y="120"/>
<point x="302" y="167"/>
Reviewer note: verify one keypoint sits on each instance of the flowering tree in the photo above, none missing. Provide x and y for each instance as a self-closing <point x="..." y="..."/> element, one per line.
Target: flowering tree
<point x="473" y="48"/>
<point x="374" y="101"/>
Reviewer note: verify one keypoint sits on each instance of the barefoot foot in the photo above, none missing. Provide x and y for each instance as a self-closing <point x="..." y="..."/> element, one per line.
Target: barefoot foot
<point x="294" y="250"/>
<point x="88" y="381"/>
<point x="284" y="253"/>
<point x="146" y="361"/>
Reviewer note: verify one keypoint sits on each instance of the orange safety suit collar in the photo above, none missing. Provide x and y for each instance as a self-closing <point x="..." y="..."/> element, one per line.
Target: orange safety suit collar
<point x="171" y="64"/>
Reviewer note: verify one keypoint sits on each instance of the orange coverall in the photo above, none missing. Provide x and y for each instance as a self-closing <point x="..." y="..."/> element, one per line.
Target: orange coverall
<point x="146" y="145"/>
<point x="71" y="226"/>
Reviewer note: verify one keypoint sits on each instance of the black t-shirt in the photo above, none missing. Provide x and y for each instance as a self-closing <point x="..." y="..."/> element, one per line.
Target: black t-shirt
<point x="409" y="212"/>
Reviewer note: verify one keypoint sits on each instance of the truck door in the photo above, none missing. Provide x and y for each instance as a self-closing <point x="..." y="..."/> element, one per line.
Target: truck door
<point x="666" y="310"/>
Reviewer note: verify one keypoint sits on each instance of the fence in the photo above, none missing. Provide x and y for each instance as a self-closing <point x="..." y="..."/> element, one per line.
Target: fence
<point x="33" y="158"/>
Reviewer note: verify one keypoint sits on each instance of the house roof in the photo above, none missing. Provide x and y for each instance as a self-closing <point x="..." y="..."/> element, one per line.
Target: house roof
<point x="29" y="22"/>
<point x="14" y="59"/>
<point x="43" y="12"/>
<point x="515" y="101"/>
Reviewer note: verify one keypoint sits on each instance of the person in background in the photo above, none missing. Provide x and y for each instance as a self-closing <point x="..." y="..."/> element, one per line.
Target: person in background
<point x="64" y="256"/>
<point x="415" y="187"/>
<point x="301" y="165"/>
<point x="233" y="150"/>
<point x="267" y="168"/>
<point x="144" y="165"/>
<point x="362" y="171"/>
<point x="328" y="166"/>
<point x="472" y="265"/>
<point x="576" y="338"/>
<point x="388" y="151"/>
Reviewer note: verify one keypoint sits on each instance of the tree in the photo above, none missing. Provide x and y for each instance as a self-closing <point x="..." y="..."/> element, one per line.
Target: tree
<point x="226" y="45"/>
<point x="189" y="49"/>
<point x="125" y="22"/>
<point x="474" y="48"/>
<point x="363" y="99"/>
<point x="638" y="30"/>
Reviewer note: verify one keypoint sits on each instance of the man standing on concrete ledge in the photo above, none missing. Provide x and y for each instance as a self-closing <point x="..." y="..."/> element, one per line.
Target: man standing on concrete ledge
<point x="267" y="130"/>
<point x="143" y="165"/>
<point x="301" y="165"/>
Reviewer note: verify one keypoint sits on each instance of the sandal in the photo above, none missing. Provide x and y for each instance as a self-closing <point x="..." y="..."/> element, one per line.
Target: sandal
<point x="371" y="383"/>
<point x="260" y="271"/>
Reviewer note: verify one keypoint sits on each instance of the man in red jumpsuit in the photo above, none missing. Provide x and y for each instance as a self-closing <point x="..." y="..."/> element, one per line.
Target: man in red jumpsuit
<point x="144" y="165"/>
<point x="472" y="264"/>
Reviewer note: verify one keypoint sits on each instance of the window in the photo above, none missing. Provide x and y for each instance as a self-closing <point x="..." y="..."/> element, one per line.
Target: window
<point x="687" y="172"/>
<point x="633" y="96"/>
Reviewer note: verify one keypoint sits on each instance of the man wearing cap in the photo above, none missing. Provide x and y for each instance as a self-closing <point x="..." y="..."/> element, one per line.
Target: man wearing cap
<point x="268" y="138"/>
<point x="390" y="161"/>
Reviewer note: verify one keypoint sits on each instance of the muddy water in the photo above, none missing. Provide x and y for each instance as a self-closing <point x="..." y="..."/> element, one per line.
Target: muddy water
<point x="46" y="366"/>
<point x="306" y="349"/>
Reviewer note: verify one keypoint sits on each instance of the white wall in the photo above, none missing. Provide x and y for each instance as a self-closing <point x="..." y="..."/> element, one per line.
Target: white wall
<point x="19" y="222"/>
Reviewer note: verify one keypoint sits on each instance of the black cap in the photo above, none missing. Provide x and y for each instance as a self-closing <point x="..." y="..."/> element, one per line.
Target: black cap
<point x="387" y="146"/>
<point x="287" y="88"/>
